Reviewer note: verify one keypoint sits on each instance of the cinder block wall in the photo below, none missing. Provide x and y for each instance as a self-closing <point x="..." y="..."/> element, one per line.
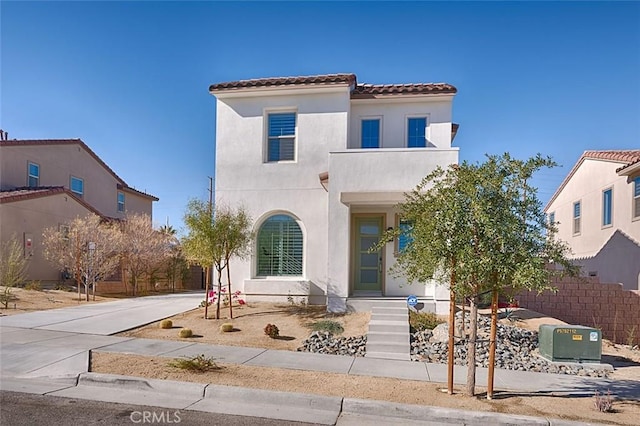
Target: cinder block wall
<point x="586" y="301"/>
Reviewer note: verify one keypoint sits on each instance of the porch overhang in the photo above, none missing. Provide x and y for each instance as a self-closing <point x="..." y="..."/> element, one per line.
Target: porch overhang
<point x="369" y="198"/>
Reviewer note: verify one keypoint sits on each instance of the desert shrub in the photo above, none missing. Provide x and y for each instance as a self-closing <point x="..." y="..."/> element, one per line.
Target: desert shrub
<point x="63" y="287"/>
<point x="198" y="363"/>
<point x="331" y="326"/>
<point x="166" y="323"/>
<point x="33" y="285"/>
<point x="423" y="320"/>
<point x="271" y="330"/>
<point x="603" y="402"/>
<point x="185" y="332"/>
<point x="226" y="327"/>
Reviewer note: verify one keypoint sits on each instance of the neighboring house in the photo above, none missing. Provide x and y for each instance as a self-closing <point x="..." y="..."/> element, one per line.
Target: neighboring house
<point x="320" y="162"/>
<point x="45" y="183"/>
<point x="597" y="212"/>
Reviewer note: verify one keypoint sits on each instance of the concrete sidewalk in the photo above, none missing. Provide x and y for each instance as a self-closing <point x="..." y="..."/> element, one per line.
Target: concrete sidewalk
<point x="46" y="356"/>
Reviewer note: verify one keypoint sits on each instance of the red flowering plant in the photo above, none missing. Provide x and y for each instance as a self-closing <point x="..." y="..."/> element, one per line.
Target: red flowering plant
<point x="236" y="298"/>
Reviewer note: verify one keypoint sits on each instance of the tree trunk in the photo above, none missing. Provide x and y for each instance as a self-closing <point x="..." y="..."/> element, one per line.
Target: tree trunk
<point x="206" y="292"/>
<point x="219" y="293"/>
<point x="471" y="347"/>
<point x="492" y="343"/>
<point x="452" y="327"/>
<point x="229" y="291"/>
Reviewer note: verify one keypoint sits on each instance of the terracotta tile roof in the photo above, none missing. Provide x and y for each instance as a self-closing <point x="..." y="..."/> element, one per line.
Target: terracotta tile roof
<point x="25" y="193"/>
<point x="626" y="157"/>
<point x="364" y="91"/>
<point x="325" y="79"/>
<point x="36" y="142"/>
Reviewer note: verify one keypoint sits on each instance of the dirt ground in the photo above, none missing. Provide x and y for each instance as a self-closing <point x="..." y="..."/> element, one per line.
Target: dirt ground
<point x="293" y="322"/>
<point x="23" y="301"/>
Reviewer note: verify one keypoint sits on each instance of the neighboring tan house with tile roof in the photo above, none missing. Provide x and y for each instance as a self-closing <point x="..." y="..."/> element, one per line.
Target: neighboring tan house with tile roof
<point x="45" y="183"/>
<point x="597" y="212"/>
<point x="320" y="162"/>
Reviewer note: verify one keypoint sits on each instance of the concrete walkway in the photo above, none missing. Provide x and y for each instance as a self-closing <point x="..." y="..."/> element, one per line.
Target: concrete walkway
<point x="44" y="354"/>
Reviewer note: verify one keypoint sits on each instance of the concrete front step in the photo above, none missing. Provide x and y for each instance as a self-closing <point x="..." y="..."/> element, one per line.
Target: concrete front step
<point x="386" y="337"/>
<point x="386" y="355"/>
<point x="390" y="317"/>
<point x="388" y="327"/>
<point x="389" y="310"/>
<point x="388" y="347"/>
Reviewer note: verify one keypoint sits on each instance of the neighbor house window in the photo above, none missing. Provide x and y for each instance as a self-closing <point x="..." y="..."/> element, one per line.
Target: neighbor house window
<point x="636" y="198"/>
<point x="370" y="137"/>
<point x="607" y="206"/>
<point x="552" y="218"/>
<point x="121" y="202"/>
<point x="417" y="132"/>
<point x="279" y="247"/>
<point x="33" y="171"/>
<point x="282" y="136"/>
<point x="406" y="236"/>
<point x="577" y="214"/>
<point x="77" y="186"/>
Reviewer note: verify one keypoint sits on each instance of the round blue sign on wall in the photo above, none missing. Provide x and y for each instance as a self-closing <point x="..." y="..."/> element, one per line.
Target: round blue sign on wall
<point x="412" y="300"/>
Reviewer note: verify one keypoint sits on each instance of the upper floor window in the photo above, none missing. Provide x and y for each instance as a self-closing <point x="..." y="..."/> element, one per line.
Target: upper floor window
<point x="636" y="197"/>
<point x="577" y="214"/>
<point x="370" y="133"/>
<point x="282" y="136"/>
<point x="417" y="132"/>
<point x="77" y="186"/>
<point x="121" y="202"/>
<point x="607" y="206"/>
<point x="279" y="247"/>
<point x="552" y="218"/>
<point x="33" y="171"/>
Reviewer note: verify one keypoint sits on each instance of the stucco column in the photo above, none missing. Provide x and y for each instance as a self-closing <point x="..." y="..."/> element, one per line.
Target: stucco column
<point x="338" y="256"/>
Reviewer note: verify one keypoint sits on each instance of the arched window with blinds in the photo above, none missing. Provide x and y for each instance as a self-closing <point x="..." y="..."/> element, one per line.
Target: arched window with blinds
<point x="280" y="247"/>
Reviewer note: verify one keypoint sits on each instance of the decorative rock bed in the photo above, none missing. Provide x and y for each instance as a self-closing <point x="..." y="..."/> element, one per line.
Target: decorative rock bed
<point x="323" y="342"/>
<point x="517" y="349"/>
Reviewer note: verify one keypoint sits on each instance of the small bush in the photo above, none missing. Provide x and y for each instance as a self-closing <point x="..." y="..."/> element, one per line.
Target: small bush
<point x="198" y="363"/>
<point x="331" y="326"/>
<point x="185" y="333"/>
<point x="421" y="321"/>
<point x="603" y="402"/>
<point x="226" y="327"/>
<point x="272" y="331"/>
<point x="33" y="285"/>
<point x="166" y="324"/>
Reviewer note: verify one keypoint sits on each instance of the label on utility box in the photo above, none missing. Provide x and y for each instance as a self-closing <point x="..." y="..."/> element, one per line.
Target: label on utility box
<point x="576" y="337"/>
<point x="593" y="336"/>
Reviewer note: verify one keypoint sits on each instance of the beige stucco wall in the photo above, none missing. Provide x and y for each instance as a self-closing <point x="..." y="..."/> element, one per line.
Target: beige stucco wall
<point x="32" y="217"/>
<point x="586" y="185"/>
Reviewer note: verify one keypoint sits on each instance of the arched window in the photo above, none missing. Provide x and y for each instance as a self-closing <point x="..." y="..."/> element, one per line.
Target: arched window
<point x="279" y="247"/>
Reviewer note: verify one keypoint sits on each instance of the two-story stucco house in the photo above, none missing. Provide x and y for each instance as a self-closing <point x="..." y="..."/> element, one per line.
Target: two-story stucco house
<point x="597" y="212"/>
<point x="320" y="162"/>
<point x="47" y="183"/>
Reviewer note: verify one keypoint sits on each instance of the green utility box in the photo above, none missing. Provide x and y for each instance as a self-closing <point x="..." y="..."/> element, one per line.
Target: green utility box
<point x="572" y="343"/>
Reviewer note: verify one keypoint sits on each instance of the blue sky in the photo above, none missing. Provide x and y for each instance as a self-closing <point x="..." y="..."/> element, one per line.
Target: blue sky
<point x="131" y="78"/>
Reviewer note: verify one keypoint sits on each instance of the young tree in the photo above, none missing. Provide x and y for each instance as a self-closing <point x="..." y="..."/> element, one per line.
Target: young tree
<point x="144" y="248"/>
<point x="13" y="267"/>
<point x="213" y="238"/>
<point x="88" y="248"/>
<point x="481" y="227"/>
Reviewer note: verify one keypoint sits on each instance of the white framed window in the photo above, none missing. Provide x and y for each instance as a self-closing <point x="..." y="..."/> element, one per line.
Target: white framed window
<point x="279" y="247"/>
<point x="121" y="201"/>
<point x="417" y="132"/>
<point x="577" y="215"/>
<point x="77" y="186"/>
<point x="636" y="198"/>
<point x="281" y="136"/>
<point x="607" y="207"/>
<point x="370" y="131"/>
<point x="33" y="175"/>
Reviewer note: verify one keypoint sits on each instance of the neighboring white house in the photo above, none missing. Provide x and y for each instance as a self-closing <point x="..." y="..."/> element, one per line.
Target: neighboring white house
<point x="597" y="212"/>
<point x="319" y="162"/>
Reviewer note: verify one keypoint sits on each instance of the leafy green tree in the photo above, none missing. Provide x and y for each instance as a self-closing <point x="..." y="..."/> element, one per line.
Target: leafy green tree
<point x="213" y="238"/>
<point x="13" y="268"/>
<point x="88" y="247"/>
<point x="481" y="228"/>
